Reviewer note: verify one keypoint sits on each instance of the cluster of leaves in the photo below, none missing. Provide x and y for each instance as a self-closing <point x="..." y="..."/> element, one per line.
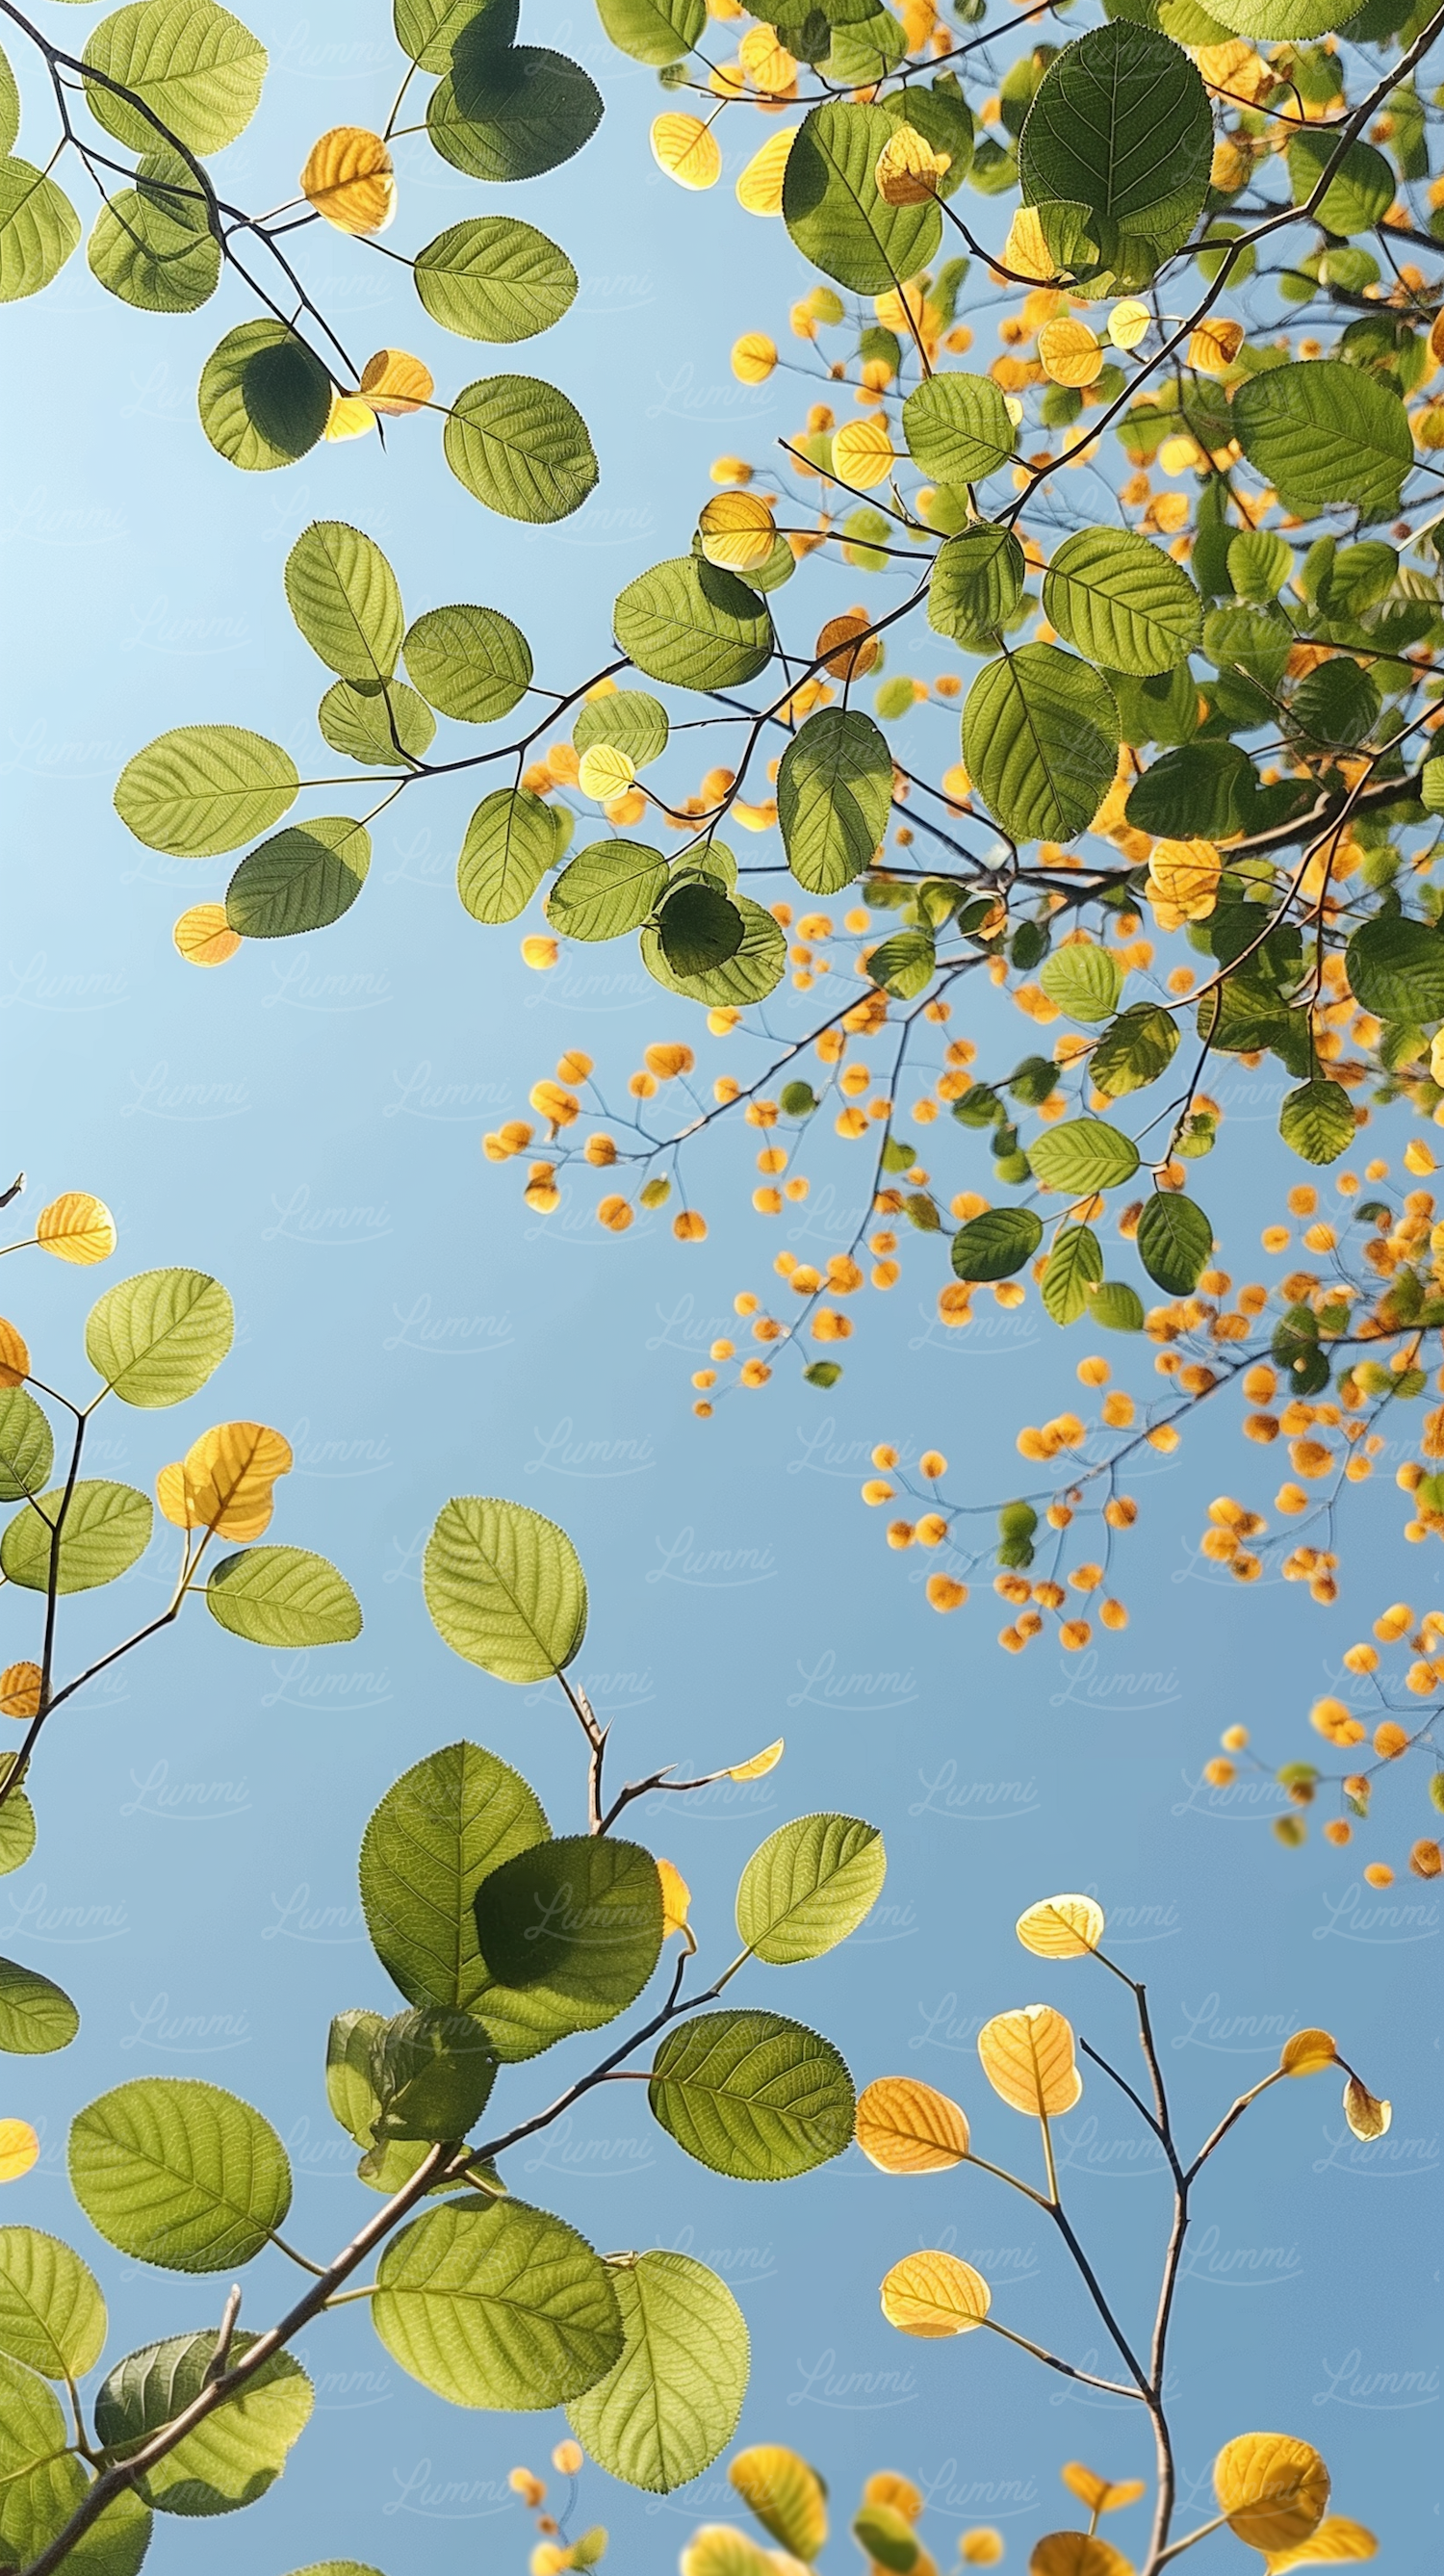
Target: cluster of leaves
<point x="503" y="1939"/>
<point x="172" y="83"/>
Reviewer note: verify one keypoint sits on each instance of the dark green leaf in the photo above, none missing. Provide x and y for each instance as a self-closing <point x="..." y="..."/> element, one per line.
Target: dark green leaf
<point x="996" y="1244"/>
<point x="752" y="2095"/>
<point x="1175" y="1241"/>
<point x="303" y="879"/>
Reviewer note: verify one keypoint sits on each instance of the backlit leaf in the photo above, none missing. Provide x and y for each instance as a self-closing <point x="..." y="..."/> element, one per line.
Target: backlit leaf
<point x="1077" y="2553"/>
<point x="52" y="2315"/>
<point x="1061" y="1927"/>
<point x="1122" y="601"/>
<point x="996" y="1244"/>
<point x="808" y="1886"/>
<point x="156" y="1338"/>
<point x="1075" y="1269"/>
<point x="510" y="112"/>
<point x="669" y="2404"/>
<point x="179" y="2174"/>
<point x="345" y="598"/>
<point x="931" y="2295"/>
<point x="283" y="1596"/>
<point x="505" y="1589"/>
<point x="832" y="208"/>
<point x="36" y="2016"/>
<point x="510" y="843"/>
<point x="495" y="279"/>
<point x="521" y="447"/>
<point x="302" y="879"/>
<point x="608" y="888"/>
<point x="205" y="788"/>
<point x="107" y="1527"/>
<point x="1121" y="125"/>
<point x="1175" y="1241"/>
<point x="752" y="2095"/>
<point x="497" y="2306"/>
<point x="231" y="2458"/>
<point x="1084" y="979"/>
<point x="1317" y="1120"/>
<point x="787" y="2497"/>
<point x="471" y="663"/>
<point x="1027" y="2057"/>
<point x="27" y="1445"/>
<point x="265" y="397"/>
<point x="754" y="969"/>
<point x="957" y="428"/>
<point x="1083" y="1154"/>
<point x="905" y="2127"/>
<point x="350" y="178"/>
<point x="834" y="796"/>
<point x="574" y="1926"/>
<point x="694" y="624"/>
<point x="1324" y="432"/>
<point x="189" y="61"/>
<point x="226" y="1481"/>
<point x="1396" y="967"/>
<point x="1040" y="739"/>
<point x="1272" y="2488"/>
<point x="443" y="1827"/>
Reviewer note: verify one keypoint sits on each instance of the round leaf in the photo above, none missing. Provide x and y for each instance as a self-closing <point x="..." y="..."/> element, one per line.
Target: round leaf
<point x="905" y="2127"/>
<point x="194" y="65"/>
<point x="495" y="279"/>
<point x="521" y="447"/>
<point x="575" y="1926"/>
<point x="155" y="1339"/>
<point x="179" y="2174"/>
<point x="439" y="1831"/>
<point x="39" y="229"/>
<point x="977" y="582"/>
<point x="624" y="720"/>
<point x="788" y="2499"/>
<point x="377" y="725"/>
<point x="1084" y="979"/>
<point x="1317" y="1120"/>
<point x="107" y="1528"/>
<point x="36" y="2017"/>
<point x="698" y="928"/>
<point x="236" y="2454"/>
<point x="957" y="429"/>
<point x="471" y="663"/>
<point x="283" y="1596"/>
<point x="809" y="1886"/>
<point x="934" y="2294"/>
<point x="497" y="2306"/>
<point x="1324" y="432"/>
<point x="1083" y="1154"/>
<point x="1396" y="968"/>
<point x="749" y="975"/>
<point x="667" y="2407"/>
<point x="52" y="2315"/>
<point x="1061" y="1927"/>
<point x="996" y="1244"/>
<point x="505" y="1589"/>
<point x="1272" y="2487"/>
<point x="27" y="1446"/>
<point x="832" y="208"/>
<point x="205" y="788"/>
<point x="152" y="245"/>
<point x="1121" y="124"/>
<point x="510" y="112"/>
<point x="752" y="2095"/>
<point x="265" y="398"/>
<point x="609" y="888"/>
<point x="694" y="624"/>
<point x="1027" y="2057"/>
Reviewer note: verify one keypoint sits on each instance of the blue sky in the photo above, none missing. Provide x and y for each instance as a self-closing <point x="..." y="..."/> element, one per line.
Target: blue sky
<point x="306" y="1124"/>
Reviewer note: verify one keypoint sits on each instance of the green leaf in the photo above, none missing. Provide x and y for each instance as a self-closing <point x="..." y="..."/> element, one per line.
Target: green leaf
<point x="302" y="879"/>
<point x="52" y="2314"/>
<point x="39" y="2486"/>
<point x="957" y="430"/>
<point x="671" y="2402"/>
<point x="1317" y="1120"/>
<point x="1322" y="432"/>
<point x="1259" y="563"/>
<point x="377" y="725"/>
<point x="887" y="2536"/>
<point x="834" y="796"/>
<point x="497" y="2306"/>
<point x="693" y="624"/>
<point x="996" y="1244"/>
<point x="152" y="246"/>
<point x="1175" y="1241"/>
<point x="1360" y="191"/>
<point x="36" y="2017"/>
<point x="808" y="1886"/>
<point x="1285" y="21"/>
<point x="510" y="843"/>
<point x="832" y="209"/>
<point x="431" y="2074"/>
<point x="512" y="114"/>
<point x="570" y="1931"/>
<point x="346" y="600"/>
<point x="1196" y="792"/>
<point x="191" y="63"/>
<point x="1116" y="1306"/>
<point x="505" y="1589"/>
<point x="441" y="1829"/>
<point x="1134" y="1051"/>
<point x="116" y="2542"/>
<point x="495" y="279"/>
<point x="1337" y="704"/>
<point x="1083" y="1154"/>
<point x="1257" y="641"/>
<point x="905" y="964"/>
<point x="521" y="447"/>
<point x="753" y="972"/>
<point x="626" y="720"/>
<point x="205" y="788"/>
<point x="17" y="1830"/>
<point x="471" y="663"/>
<point x="39" y="229"/>
<point x="179" y="2174"/>
<point x="1122" y="601"/>
<point x="1040" y="738"/>
<point x="107" y="1527"/>
<point x="653" y="31"/>
<point x="977" y="582"/>
<point x="1122" y="125"/>
<point x="610" y="887"/>
<point x="1084" y="980"/>
<point x="1075" y="1268"/>
<point x="426" y="30"/>
<point x="752" y="2095"/>
<point x="27" y="1445"/>
<point x="9" y="107"/>
<point x="235" y="2454"/>
<point x="283" y="1596"/>
<point x="698" y="928"/>
<point x="1396" y="969"/>
<point x="264" y="397"/>
<point x="350" y="2089"/>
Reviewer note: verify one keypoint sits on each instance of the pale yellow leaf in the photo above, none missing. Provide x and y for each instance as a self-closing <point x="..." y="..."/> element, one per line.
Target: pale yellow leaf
<point x="889" y="2487"/>
<point x="1128" y="322"/>
<point x="77" y="1227"/>
<point x="760" y="1764"/>
<point x="204" y="936"/>
<point x="1027" y="2057"/>
<point x="934" y="2294"/>
<point x="1183" y="881"/>
<point x="20" y="1690"/>
<point x="908" y="169"/>
<point x="1069" y="352"/>
<point x="904" y="2127"/>
<point x="1026" y="252"/>
<point x="1336" y="2539"/>
<point x="1367" y="2116"/>
<point x="863" y="452"/>
<point x="785" y="2495"/>
<point x="759" y="192"/>
<point x="676" y="1898"/>
<point x="686" y="149"/>
<point x="394" y="382"/>
<point x="1078" y="2553"/>
<point x="1101" y="2495"/>
<point x="768" y="65"/>
<point x="737" y="531"/>
<point x="14" y="1355"/>
<point x="754" y="356"/>
<point x="350" y="179"/>
<point x="1308" y="2052"/>
<point x="348" y="417"/>
<point x="1061" y="1927"/>
<point x="19" y="2149"/>
<point x="604" y="772"/>
<point x="1272" y="2488"/>
<point x="1214" y="346"/>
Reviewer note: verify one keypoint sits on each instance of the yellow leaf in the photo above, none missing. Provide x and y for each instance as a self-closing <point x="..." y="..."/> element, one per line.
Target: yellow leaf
<point x="78" y="1228"/>
<point x="785" y="2494"/>
<point x="1128" y="322"/>
<point x="20" y="1690"/>
<point x="753" y="358"/>
<point x="19" y="2148"/>
<point x="737" y="531"/>
<point x="904" y="2127"/>
<point x="1026" y="252"/>
<point x="1214" y="346"/>
<point x="348" y="417"/>
<point x="887" y="2486"/>
<point x="1183" y="881"/>
<point x="908" y="169"/>
<point x="1078" y="2553"/>
<point x="687" y="150"/>
<point x="676" y="1898"/>
<point x="1027" y="2057"/>
<point x="720" y="2549"/>
<point x="1101" y="2495"/>
<point x="933" y="2294"/>
<point x="760" y="1764"/>
<point x="394" y="382"/>
<point x="350" y="179"/>
<point x="604" y="772"/>
<point x="1336" y="2539"/>
<point x="1308" y="2052"/>
<point x="759" y="192"/>
<point x="204" y="936"/>
<point x="1272" y="2488"/>
<point x="981" y="2547"/>
<point x="1069" y="352"/>
<point x="14" y="1356"/>
<point x="225" y="1481"/>
<point x="1061" y="1927"/>
<point x="768" y="65"/>
<point x="863" y="452"/>
<point x="1367" y="2116"/>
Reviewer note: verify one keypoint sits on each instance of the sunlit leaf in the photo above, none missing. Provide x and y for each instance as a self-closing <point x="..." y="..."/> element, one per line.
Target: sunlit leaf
<point x="521" y="447"/>
<point x="265" y="396"/>
<point x="808" y="1886"/>
<point x="1272" y="2488"/>
<point x="1040" y="739"/>
<point x="179" y="2174"/>
<point x="1027" y="2057"/>
<point x="493" y="278"/>
<point x="52" y="2314"/>
<point x="442" y="1828"/>
<point x="39" y="229"/>
<point x="471" y="663"/>
<point x="205" y="788"/>
<point x="19" y="2149"/>
<point x="787" y="2497"/>
<point x="905" y="2127"/>
<point x="669" y="2404"/>
<point x="77" y="1227"/>
<point x="189" y="61"/>
<point x="497" y="2306"/>
<point x="505" y="1589"/>
<point x="933" y="2294"/>
<point x="283" y="1596"/>
<point x="1061" y="1927"/>
<point x="36" y="2016"/>
<point x="350" y="178"/>
<point x="107" y="1528"/>
<point x="752" y="2095"/>
<point x="302" y="879"/>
